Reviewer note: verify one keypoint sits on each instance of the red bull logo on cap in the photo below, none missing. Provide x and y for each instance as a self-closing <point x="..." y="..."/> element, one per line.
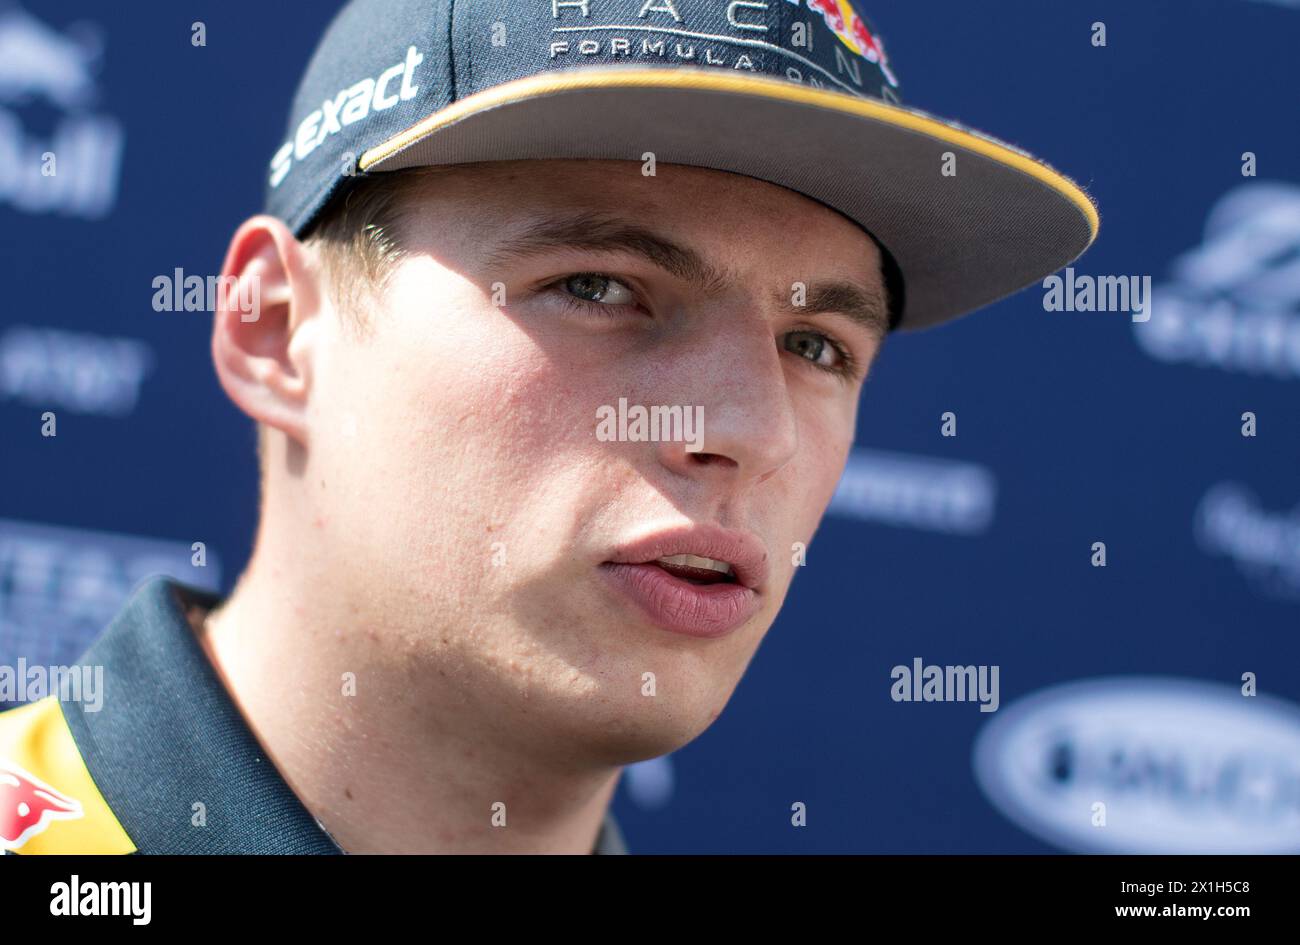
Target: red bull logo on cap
<point x="853" y="32"/>
<point x="28" y="805"/>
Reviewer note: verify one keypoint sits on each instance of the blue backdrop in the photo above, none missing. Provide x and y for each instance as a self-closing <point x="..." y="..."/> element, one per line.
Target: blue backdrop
<point x="975" y="549"/>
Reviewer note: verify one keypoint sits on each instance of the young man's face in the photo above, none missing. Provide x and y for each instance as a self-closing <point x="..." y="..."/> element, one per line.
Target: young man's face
<point x="454" y="461"/>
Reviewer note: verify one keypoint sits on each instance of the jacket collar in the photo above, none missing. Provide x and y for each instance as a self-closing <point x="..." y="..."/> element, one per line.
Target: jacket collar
<point x="173" y="756"/>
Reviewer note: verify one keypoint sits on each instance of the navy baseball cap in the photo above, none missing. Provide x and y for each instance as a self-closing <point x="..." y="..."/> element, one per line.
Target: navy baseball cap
<point x="799" y="93"/>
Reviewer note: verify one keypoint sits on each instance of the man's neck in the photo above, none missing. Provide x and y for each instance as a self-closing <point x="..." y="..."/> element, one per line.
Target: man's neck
<point x="388" y="756"/>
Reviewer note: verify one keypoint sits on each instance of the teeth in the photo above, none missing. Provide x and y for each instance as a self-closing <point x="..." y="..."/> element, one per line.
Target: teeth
<point x="695" y="561"/>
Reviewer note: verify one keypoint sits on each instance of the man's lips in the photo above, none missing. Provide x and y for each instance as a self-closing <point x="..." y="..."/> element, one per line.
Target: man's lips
<point x="742" y="550"/>
<point x="673" y="602"/>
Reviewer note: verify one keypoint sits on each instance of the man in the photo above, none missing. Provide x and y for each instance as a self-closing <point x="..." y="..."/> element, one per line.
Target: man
<point x="498" y="238"/>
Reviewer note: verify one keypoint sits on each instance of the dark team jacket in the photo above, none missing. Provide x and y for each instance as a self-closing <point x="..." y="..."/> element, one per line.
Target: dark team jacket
<point x="166" y="737"/>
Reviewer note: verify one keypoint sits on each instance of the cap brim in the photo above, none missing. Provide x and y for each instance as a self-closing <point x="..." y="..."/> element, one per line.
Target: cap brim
<point x="1001" y="222"/>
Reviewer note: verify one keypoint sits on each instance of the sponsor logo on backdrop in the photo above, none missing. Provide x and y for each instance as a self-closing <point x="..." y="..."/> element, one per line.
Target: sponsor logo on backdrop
<point x="1233" y="302"/>
<point x="71" y="165"/>
<point x="60" y="586"/>
<point x="915" y="492"/>
<point x="1263" y="543"/>
<point x="1147" y="765"/>
<point x="651" y="783"/>
<point x="84" y="373"/>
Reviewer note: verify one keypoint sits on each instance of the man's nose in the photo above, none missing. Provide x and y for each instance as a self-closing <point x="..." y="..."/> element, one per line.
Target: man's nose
<point x="731" y="377"/>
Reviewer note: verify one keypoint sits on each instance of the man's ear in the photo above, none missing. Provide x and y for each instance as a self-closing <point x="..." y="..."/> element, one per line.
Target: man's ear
<point x="264" y="335"/>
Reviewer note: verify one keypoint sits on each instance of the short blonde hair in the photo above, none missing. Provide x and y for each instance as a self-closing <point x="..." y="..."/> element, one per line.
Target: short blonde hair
<point x="357" y="237"/>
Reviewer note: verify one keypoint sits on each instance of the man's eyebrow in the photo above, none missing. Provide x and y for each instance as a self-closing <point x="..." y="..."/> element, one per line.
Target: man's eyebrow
<point x="596" y="232"/>
<point x="860" y="304"/>
<point x="590" y="230"/>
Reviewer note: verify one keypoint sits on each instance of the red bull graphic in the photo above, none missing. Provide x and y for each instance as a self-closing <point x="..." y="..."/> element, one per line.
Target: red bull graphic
<point x="43" y="67"/>
<point x="37" y="61"/>
<point x="852" y="31"/>
<point x="28" y="805"/>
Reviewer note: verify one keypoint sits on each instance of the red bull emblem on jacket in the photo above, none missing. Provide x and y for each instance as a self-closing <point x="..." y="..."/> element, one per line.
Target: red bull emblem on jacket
<point x="28" y="805"/>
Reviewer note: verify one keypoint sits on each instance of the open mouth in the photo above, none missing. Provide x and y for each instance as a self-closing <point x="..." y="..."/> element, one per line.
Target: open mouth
<point x="697" y="569"/>
<point x="688" y="593"/>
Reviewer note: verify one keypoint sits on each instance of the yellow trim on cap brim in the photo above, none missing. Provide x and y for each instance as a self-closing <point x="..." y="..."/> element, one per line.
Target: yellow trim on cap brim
<point x="760" y="86"/>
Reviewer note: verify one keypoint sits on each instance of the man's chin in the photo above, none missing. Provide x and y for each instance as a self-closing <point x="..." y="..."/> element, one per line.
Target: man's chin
<point x="620" y="729"/>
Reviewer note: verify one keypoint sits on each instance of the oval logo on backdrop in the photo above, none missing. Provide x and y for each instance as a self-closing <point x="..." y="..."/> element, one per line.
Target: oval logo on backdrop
<point x="1180" y="766"/>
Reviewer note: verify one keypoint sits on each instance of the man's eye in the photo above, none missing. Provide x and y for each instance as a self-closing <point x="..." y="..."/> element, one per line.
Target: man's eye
<point x="815" y="347"/>
<point x="594" y="287"/>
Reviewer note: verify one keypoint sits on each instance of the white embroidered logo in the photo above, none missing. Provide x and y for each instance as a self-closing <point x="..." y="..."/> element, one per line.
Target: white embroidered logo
<point x="348" y="106"/>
